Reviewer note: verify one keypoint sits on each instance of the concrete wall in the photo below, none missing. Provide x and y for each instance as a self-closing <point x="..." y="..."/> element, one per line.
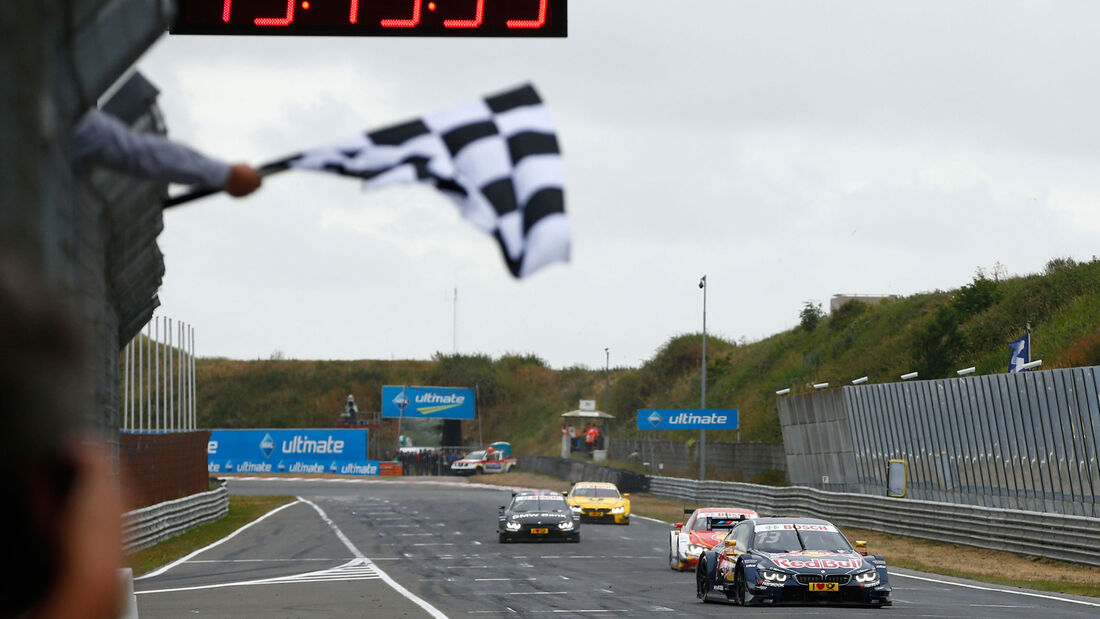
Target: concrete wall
<point x="730" y="461"/>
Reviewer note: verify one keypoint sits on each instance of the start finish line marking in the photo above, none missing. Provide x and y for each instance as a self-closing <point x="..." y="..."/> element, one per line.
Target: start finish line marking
<point x="359" y="568"/>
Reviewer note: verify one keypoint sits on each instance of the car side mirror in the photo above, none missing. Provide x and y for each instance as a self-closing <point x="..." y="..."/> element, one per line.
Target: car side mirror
<point x="861" y="546"/>
<point x="502" y="508"/>
<point x="626" y="494"/>
<point x="565" y="493"/>
<point x="679" y="525"/>
<point x="729" y="543"/>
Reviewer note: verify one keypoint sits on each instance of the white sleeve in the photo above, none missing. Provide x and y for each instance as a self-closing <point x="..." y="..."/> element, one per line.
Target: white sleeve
<point x="101" y="139"/>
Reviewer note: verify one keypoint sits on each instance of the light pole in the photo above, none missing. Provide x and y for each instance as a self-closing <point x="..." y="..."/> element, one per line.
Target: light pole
<point x="703" y="395"/>
<point x="607" y="381"/>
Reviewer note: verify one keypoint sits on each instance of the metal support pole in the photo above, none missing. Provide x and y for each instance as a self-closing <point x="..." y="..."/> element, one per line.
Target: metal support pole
<point x="156" y="370"/>
<point x="194" y="390"/>
<point x="607" y="380"/>
<point x="703" y="395"/>
<point x="171" y="379"/>
<point x="126" y="386"/>
<point x="186" y="370"/>
<point x="145" y="388"/>
<point x="194" y="385"/>
<point x="477" y="411"/>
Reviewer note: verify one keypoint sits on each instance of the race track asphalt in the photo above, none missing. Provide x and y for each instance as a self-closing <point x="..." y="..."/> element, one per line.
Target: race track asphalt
<point x="439" y="543"/>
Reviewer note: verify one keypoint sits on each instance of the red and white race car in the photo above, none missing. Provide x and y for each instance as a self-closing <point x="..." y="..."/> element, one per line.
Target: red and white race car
<point x="703" y="530"/>
<point x="484" y="461"/>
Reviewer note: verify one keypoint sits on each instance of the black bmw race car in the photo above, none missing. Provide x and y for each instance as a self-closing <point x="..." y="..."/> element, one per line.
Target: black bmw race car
<point x="802" y="560"/>
<point x="536" y="515"/>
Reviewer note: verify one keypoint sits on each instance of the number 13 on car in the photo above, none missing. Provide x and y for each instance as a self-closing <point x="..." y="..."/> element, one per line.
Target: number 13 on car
<point x="431" y="18"/>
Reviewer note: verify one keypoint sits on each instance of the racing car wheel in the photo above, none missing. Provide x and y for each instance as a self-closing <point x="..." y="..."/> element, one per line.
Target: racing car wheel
<point x="703" y="581"/>
<point x="743" y="596"/>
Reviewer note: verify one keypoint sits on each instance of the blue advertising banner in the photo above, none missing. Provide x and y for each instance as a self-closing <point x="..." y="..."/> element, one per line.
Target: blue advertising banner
<point x="411" y="402"/>
<point x="688" y="419"/>
<point x="289" y="451"/>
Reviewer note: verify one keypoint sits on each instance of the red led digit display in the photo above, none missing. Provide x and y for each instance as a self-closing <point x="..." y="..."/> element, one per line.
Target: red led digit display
<point x="479" y="17"/>
<point x="432" y="18"/>
<point x="404" y="23"/>
<point x="280" y="21"/>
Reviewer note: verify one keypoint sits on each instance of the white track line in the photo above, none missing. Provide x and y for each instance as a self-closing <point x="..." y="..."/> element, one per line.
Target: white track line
<point x="649" y="519"/>
<point x="431" y="610"/>
<point x="998" y="590"/>
<point x="356" y="569"/>
<point x="173" y="564"/>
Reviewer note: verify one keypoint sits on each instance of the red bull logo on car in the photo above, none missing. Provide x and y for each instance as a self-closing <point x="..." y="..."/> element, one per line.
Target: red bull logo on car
<point x="823" y="564"/>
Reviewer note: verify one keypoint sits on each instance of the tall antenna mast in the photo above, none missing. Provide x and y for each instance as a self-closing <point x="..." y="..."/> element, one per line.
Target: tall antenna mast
<point x="454" y="323"/>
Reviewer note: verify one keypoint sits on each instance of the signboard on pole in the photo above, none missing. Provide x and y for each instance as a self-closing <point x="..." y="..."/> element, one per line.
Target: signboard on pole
<point x="687" y="419"/>
<point x="409" y="402"/>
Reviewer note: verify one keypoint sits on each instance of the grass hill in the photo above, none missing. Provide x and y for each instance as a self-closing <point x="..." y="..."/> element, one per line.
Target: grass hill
<point x="521" y="397"/>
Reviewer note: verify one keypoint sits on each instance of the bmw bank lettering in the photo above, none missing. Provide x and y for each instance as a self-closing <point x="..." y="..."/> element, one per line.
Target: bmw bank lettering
<point x="688" y="419"/>
<point x="289" y="451"/>
<point x="410" y="402"/>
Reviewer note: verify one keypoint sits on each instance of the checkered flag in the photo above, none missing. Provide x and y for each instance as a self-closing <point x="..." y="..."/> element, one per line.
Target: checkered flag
<point x="496" y="157"/>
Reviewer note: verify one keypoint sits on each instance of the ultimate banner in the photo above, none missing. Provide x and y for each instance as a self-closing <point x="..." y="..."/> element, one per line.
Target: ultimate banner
<point x="688" y="419"/>
<point x="408" y="402"/>
<point x="343" y="452"/>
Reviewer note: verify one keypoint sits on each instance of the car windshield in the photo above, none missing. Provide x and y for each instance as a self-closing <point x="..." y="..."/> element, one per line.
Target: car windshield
<point x="475" y="455"/>
<point x="596" y="492"/>
<point x="795" y="540"/>
<point x="539" y="503"/>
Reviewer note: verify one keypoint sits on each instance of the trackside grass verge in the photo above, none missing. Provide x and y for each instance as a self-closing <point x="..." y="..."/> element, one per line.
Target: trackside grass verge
<point x="242" y="510"/>
<point x="992" y="566"/>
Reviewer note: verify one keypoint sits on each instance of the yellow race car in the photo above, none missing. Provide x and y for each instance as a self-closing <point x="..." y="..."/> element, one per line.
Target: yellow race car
<point x="598" y="501"/>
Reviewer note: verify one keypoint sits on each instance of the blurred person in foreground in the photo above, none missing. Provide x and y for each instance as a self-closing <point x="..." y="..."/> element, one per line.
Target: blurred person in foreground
<point x="62" y="509"/>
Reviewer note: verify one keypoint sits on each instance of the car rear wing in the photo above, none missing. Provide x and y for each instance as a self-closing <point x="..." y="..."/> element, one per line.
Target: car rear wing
<point x="722" y="522"/>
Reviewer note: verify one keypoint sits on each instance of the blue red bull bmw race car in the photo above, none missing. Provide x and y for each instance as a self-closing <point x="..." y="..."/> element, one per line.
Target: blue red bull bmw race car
<point x="791" y="560"/>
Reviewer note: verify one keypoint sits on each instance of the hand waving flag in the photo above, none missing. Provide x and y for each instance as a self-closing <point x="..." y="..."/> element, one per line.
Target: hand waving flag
<point x="496" y="157"/>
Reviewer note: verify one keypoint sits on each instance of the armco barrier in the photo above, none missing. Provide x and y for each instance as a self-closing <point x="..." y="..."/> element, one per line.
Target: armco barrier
<point x="577" y="470"/>
<point x="145" y="527"/>
<point x="1057" y="536"/>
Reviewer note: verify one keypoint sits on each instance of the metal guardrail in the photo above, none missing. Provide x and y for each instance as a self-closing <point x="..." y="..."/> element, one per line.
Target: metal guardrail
<point x="1056" y="536"/>
<point x="147" y="526"/>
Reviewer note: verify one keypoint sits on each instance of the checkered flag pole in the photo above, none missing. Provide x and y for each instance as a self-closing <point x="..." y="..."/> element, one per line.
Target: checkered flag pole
<point x="497" y="158"/>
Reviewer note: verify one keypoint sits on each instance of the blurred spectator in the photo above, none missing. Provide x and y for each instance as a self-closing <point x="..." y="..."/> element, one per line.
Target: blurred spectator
<point x="62" y="512"/>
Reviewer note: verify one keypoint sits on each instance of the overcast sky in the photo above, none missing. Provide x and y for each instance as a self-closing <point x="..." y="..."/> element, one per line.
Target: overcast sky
<point x="788" y="150"/>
